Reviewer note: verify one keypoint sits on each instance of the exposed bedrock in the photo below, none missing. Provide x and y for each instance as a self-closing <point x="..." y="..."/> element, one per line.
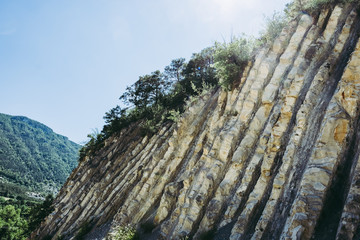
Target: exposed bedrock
<point x="275" y="158"/>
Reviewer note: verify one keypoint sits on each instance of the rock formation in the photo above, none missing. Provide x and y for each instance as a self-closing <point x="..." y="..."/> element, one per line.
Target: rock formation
<point x="275" y="158"/>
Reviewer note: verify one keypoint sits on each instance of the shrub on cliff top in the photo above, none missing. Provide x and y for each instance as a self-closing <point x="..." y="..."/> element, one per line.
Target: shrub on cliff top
<point x="273" y="27"/>
<point x="230" y="59"/>
<point x="313" y="6"/>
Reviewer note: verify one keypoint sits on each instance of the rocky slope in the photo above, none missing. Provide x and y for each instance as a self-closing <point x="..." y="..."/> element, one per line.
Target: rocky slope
<point x="276" y="158"/>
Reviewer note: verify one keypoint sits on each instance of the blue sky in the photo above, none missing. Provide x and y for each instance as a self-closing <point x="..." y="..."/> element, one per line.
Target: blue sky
<point x="65" y="63"/>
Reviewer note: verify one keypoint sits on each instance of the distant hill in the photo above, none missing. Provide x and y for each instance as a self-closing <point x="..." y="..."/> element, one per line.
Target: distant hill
<point x="33" y="157"/>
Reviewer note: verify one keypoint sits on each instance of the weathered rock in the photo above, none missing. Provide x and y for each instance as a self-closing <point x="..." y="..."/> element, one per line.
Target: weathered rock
<point x="275" y="158"/>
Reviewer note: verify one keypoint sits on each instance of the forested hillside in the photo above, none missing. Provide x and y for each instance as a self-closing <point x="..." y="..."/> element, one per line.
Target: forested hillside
<point x="32" y="156"/>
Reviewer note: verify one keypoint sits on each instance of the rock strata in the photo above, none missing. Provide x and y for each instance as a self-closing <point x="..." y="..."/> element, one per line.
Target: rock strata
<point x="275" y="158"/>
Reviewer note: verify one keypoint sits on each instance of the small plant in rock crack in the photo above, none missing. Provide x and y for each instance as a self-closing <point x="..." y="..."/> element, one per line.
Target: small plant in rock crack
<point x="125" y="233"/>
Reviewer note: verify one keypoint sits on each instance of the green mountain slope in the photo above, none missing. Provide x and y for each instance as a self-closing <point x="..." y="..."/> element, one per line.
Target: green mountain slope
<point x="33" y="156"/>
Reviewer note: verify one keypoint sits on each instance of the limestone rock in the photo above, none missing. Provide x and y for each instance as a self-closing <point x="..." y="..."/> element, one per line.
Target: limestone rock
<point x="275" y="158"/>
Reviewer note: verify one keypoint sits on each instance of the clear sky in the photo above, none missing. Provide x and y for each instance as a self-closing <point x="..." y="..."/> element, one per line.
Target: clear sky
<point x="65" y="63"/>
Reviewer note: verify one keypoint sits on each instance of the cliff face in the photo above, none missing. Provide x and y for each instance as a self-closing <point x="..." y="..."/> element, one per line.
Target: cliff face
<point x="276" y="158"/>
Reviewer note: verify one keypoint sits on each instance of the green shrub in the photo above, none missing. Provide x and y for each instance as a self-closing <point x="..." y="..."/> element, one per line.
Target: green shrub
<point x="273" y="27"/>
<point x="174" y="115"/>
<point x="12" y="225"/>
<point x="96" y="141"/>
<point x="230" y="59"/>
<point x="316" y="3"/>
<point x="312" y="6"/>
<point x="125" y="233"/>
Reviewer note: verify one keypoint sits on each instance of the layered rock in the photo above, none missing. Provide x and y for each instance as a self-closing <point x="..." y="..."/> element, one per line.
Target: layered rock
<point x="275" y="158"/>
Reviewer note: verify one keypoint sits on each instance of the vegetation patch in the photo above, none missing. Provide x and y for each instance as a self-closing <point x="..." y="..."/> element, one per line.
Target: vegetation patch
<point x="273" y="27"/>
<point x="231" y="59"/>
<point x="33" y="157"/>
<point x="18" y="218"/>
<point x="125" y="233"/>
<point x="314" y="6"/>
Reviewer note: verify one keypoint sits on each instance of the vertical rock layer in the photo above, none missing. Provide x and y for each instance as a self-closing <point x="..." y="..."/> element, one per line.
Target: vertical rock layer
<point x="275" y="158"/>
